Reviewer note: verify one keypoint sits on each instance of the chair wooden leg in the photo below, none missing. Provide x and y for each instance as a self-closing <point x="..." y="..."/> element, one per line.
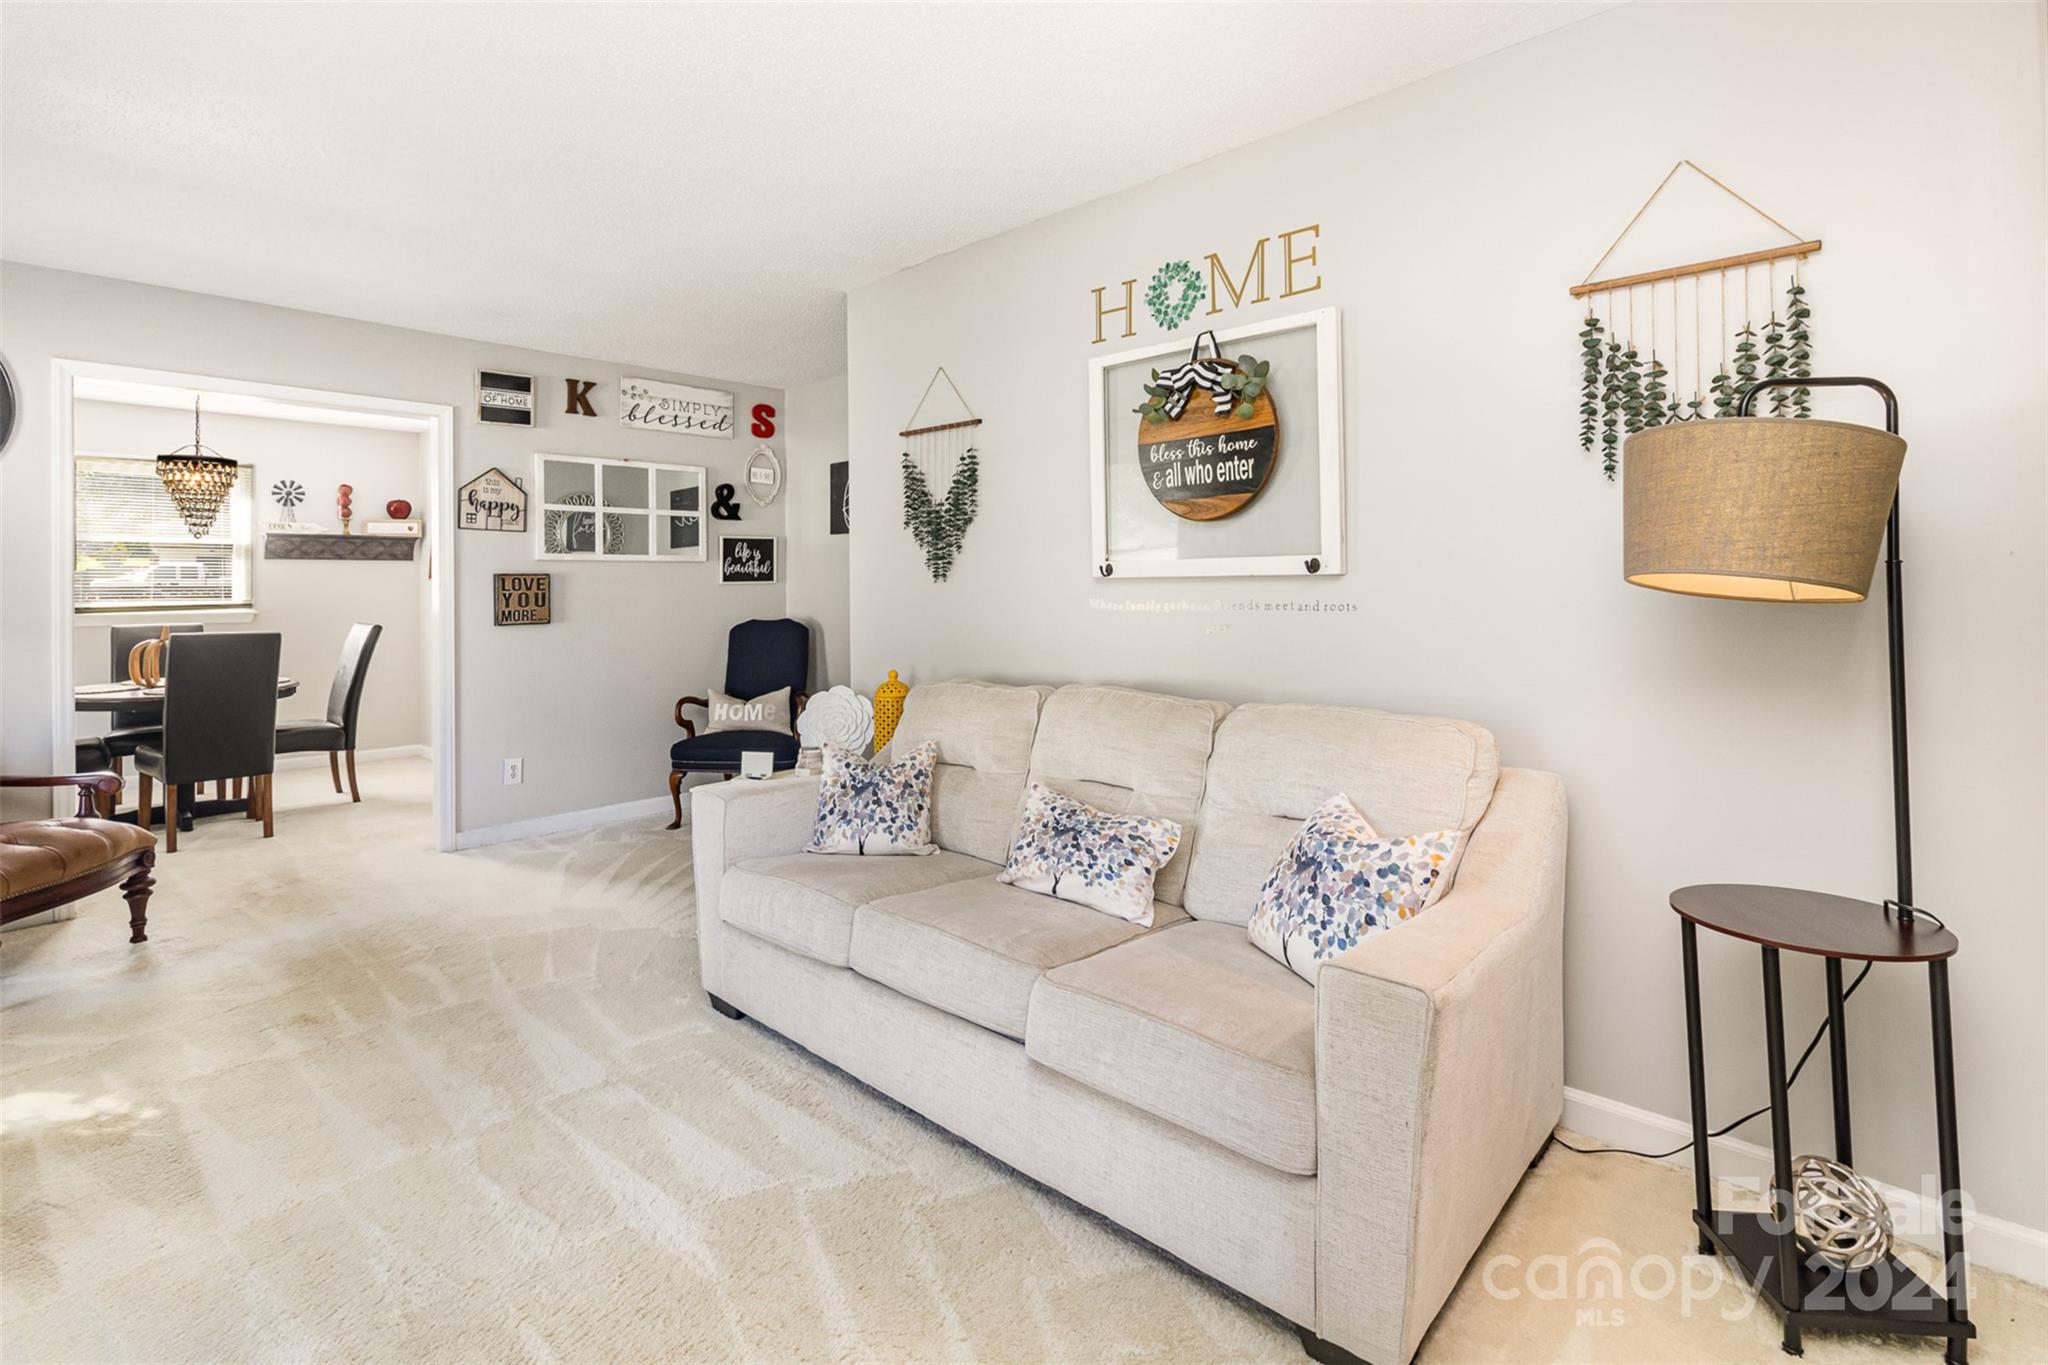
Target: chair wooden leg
<point x="353" y="793"/>
<point x="238" y="789"/>
<point x="145" y="800"/>
<point x="117" y="768"/>
<point x="254" y="810"/>
<point x="334" y="768"/>
<point x="220" y="788"/>
<point x="267" y="828"/>
<point x="675" y="795"/>
<point x="136" y="892"/>
<point x="170" y="817"/>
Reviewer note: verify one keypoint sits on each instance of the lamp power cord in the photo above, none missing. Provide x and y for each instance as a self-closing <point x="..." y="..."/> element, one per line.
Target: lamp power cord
<point x="1726" y="1129"/>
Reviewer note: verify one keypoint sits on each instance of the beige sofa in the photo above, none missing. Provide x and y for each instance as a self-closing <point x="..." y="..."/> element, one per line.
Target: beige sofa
<point x="1334" y="1152"/>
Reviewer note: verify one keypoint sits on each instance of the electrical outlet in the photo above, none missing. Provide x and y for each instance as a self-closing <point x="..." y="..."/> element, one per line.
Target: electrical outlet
<point x="515" y="771"/>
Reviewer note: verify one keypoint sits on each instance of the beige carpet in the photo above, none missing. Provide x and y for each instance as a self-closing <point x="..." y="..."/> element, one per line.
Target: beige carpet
<point x="357" y="1100"/>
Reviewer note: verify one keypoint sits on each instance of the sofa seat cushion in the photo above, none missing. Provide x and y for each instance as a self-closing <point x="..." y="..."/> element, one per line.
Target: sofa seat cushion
<point x="805" y="901"/>
<point x="1194" y="1025"/>
<point x="976" y="948"/>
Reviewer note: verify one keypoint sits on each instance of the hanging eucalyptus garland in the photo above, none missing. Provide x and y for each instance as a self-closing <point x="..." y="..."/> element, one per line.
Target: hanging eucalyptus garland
<point x="1589" y="383"/>
<point x="1621" y="392"/>
<point x="940" y="528"/>
<point x="1800" y="345"/>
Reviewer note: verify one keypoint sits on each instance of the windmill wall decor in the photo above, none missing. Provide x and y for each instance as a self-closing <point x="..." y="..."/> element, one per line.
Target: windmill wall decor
<point x="1648" y="342"/>
<point x="943" y="456"/>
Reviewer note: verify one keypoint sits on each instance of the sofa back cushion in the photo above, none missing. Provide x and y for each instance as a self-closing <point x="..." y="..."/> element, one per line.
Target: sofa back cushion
<point x="1131" y="753"/>
<point x="1274" y="765"/>
<point x="984" y="733"/>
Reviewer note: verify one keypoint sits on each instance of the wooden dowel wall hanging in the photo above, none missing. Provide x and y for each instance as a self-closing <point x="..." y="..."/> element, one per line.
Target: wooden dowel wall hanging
<point x="1629" y="381"/>
<point x="940" y="455"/>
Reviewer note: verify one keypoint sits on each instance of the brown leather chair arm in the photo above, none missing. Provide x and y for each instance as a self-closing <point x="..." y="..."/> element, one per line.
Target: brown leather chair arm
<point x="689" y="727"/>
<point x="87" y="784"/>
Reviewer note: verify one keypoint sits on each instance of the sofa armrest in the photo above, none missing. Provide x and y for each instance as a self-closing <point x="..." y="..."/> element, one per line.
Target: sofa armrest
<point x="1439" y="1074"/>
<point x="732" y="822"/>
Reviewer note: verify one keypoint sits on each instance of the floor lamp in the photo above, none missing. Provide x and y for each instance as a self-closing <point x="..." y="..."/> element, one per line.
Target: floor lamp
<point x="1789" y="510"/>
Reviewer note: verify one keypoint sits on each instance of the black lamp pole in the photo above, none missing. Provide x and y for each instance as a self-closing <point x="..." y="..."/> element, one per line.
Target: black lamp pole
<point x="1895" y="620"/>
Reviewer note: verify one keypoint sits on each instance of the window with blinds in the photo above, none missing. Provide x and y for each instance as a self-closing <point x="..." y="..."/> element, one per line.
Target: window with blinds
<point x="134" y="553"/>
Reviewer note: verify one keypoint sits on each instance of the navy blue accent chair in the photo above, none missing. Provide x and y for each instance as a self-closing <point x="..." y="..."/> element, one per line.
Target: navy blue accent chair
<point x="760" y="657"/>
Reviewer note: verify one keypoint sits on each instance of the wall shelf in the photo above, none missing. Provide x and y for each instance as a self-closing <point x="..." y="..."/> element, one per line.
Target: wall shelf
<point x="328" y="545"/>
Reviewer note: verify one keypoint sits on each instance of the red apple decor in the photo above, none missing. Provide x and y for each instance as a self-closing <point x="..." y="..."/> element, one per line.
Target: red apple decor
<point x="341" y="501"/>
<point x="398" y="509"/>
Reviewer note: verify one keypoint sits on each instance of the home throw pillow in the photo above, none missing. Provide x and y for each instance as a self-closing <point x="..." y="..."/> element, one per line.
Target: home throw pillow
<point x="875" y="808"/>
<point x="1077" y="853"/>
<point x="769" y="712"/>
<point x="1339" y="883"/>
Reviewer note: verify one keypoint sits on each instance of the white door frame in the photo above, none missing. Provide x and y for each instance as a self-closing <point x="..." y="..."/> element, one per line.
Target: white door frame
<point x="439" y="419"/>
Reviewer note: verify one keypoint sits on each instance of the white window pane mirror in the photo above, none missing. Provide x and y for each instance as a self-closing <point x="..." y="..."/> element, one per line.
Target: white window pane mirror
<point x="650" y="511"/>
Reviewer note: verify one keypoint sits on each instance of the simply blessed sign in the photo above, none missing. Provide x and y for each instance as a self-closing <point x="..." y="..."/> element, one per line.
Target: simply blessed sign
<point x="675" y="407"/>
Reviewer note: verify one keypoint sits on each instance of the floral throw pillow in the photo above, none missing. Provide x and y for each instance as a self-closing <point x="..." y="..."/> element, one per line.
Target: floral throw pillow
<point x="1339" y="883"/>
<point x="1070" y="850"/>
<point x="875" y="808"/>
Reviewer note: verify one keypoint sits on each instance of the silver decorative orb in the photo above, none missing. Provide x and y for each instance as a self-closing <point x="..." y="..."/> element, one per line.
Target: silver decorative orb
<point x="1838" y="1214"/>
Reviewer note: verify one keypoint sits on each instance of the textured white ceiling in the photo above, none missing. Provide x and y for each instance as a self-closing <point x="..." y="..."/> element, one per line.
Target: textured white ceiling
<point x="690" y="187"/>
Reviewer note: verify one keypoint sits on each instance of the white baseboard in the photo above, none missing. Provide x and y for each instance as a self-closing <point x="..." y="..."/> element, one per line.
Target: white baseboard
<point x="362" y="756"/>
<point x="566" y="820"/>
<point x="1991" y="1243"/>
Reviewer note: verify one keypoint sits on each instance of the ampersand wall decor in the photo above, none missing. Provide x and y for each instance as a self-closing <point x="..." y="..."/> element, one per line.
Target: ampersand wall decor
<point x="723" y="506"/>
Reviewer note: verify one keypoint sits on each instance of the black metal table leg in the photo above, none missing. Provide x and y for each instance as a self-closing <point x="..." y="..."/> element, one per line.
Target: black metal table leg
<point x="1950" y="1158"/>
<point x="1787" y="1268"/>
<point x="1696" y="1065"/>
<point x="1838" y="1059"/>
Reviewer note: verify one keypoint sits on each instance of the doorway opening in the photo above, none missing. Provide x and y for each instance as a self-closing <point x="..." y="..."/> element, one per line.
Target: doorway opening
<point x="277" y="561"/>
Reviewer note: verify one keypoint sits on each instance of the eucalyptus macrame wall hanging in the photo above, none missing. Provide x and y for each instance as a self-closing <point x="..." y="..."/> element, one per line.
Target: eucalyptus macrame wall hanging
<point x="944" y="456"/>
<point x="1647" y="341"/>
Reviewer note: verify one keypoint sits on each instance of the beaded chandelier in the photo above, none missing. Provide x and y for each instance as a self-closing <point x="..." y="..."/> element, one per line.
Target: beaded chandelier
<point x="198" y="478"/>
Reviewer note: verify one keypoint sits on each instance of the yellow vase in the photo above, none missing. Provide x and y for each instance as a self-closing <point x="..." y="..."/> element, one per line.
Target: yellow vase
<point x="888" y="708"/>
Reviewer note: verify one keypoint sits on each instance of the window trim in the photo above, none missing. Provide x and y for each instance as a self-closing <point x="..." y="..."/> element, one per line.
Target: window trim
<point x="147" y="613"/>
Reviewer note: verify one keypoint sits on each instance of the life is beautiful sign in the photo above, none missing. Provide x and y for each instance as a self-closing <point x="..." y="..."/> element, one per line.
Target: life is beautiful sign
<point x="746" y="559"/>
<point x="650" y="403"/>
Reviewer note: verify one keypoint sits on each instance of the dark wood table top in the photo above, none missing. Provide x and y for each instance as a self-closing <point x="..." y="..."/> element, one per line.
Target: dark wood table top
<point x="127" y="696"/>
<point x="1812" y="922"/>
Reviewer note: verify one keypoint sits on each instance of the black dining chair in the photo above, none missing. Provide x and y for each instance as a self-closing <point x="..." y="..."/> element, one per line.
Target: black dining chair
<point x="336" y="735"/>
<point x="220" y="721"/>
<point x="760" y="657"/>
<point x="128" y="730"/>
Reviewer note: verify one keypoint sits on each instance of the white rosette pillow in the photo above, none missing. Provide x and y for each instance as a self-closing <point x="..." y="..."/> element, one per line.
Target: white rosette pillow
<point x="1077" y="853"/>
<point x="875" y="808"/>
<point x="838" y="715"/>
<point x="1339" y="883"/>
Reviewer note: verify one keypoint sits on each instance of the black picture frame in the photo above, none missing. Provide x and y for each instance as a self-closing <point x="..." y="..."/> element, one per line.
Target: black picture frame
<point x="504" y="399"/>
<point x="840" y="484"/>
<point x="747" y="559"/>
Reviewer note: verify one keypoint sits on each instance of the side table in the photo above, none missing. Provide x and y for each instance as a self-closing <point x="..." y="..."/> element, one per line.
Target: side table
<point x="1809" y="1291"/>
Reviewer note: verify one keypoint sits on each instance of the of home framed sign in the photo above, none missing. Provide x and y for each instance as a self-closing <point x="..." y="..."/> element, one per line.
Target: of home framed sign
<point x="1220" y="458"/>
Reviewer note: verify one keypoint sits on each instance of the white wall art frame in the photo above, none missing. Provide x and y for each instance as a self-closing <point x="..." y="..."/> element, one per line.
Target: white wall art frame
<point x="595" y="508"/>
<point x="657" y="405"/>
<point x="1302" y="532"/>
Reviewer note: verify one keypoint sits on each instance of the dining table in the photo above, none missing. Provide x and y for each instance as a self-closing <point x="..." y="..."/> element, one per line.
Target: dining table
<point x="134" y="697"/>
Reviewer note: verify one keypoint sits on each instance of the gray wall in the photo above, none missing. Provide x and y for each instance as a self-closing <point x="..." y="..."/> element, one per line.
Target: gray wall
<point x="309" y="603"/>
<point x="586" y="702"/>
<point x="1699" y="741"/>
<point x="816" y="426"/>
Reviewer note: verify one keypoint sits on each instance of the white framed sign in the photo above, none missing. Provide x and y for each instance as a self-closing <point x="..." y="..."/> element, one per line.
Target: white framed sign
<point x="504" y="399"/>
<point x="596" y="508"/>
<point x="1223" y="488"/>
<point x="651" y="403"/>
